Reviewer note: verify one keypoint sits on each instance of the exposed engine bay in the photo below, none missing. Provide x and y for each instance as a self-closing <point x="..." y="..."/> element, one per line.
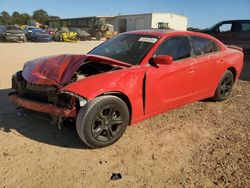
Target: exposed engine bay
<point x="92" y="68"/>
<point x="50" y="93"/>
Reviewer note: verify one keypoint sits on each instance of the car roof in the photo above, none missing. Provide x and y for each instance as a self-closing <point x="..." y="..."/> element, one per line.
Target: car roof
<point x="234" y="21"/>
<point x="168" y="32"/>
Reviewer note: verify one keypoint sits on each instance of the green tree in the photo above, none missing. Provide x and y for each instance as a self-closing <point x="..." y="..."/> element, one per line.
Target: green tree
<point x="25" y="18"/>
<point x="16" y="18"/>
<point x="193" y="29"/>
<point x="5" y="18"/>
<point x="53" y="17"/>
<point x="40" y="16"/>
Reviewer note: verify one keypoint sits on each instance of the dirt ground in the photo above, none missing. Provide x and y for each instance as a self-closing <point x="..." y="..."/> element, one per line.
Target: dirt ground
<point x="204" y="144"/>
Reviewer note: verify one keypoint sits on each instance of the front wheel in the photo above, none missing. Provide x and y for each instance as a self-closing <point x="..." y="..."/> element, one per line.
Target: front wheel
<point x="225" y="86"/>
<point x="102" y="121"/>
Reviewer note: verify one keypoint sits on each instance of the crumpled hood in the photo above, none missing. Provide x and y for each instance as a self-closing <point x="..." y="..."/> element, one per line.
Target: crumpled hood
<point x="53" y="70"/>
<point x="59" y="69"/>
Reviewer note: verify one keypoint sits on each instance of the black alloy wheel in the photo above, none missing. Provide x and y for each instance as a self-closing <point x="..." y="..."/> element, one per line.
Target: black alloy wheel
<point x="102" y="121"/>
<point x="225" y="87"/>
<point x="107" y="122"/>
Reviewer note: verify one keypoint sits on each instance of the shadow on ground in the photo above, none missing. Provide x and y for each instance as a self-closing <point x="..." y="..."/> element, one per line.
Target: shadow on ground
<point x="36" y="127"/>
<point x="245" y="74"/>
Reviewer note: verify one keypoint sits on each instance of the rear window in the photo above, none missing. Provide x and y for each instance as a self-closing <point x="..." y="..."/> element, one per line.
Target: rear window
<point x="203" y="46"/>
<point x="245" y="27"/>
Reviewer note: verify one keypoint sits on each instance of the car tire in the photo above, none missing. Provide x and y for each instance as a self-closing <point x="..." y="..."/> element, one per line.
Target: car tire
<point x="224" y="87"/>
<point x="102" y="121"/>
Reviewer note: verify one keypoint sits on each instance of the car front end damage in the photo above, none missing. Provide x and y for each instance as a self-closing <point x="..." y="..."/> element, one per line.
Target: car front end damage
<point x="42" y="90"/>
<point x="44" y="98"/>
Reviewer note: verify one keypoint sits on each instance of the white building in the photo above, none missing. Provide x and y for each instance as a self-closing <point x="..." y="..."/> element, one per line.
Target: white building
<point x="125" y="23"/>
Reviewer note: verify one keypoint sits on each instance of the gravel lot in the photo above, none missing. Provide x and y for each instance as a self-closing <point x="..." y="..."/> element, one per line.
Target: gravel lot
<point x="204" y="144"/>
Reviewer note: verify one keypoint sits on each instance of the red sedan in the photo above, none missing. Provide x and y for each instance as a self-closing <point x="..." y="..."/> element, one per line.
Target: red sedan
<point x="127" y="79"/>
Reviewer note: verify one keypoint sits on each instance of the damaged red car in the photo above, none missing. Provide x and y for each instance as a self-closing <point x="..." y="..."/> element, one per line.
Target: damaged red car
<point x="127" y="79"/>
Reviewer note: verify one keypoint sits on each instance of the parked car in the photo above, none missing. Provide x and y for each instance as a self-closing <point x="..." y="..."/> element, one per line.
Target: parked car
<point x="2" y="31"/>
<point x="50" y="31"/>
<point x="127" y="79"/>
<point x="14" y="33"/>
<point x="81" y="34"/>
<point x="64" y="35"/>
<point x="232" y="32"/>
<point x="28" y="30"/>
<point x="38" y="35"/>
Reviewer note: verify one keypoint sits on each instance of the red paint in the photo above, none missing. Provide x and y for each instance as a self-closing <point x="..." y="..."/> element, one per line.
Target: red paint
<point x="43" y="107"/>
<point x="57" y="70"/>
<point x="167" y="86"/>
<point x="163" y="60"/>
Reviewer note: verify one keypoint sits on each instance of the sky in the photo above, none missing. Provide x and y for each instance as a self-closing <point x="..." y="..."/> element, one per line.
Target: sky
<point x="201" y="14"/>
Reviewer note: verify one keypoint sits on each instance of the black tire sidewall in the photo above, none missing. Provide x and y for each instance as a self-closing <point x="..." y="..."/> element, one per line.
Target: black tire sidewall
<point x="217" y="96"/>
<point x="85" y="119"/>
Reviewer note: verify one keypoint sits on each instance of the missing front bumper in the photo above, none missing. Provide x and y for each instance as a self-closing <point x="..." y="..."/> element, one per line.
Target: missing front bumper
<point x="42" y="107"/>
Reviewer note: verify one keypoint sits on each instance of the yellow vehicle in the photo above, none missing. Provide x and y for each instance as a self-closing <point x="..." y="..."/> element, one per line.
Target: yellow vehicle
<point x="108" y="31"/>
<point x="64" y="35"/>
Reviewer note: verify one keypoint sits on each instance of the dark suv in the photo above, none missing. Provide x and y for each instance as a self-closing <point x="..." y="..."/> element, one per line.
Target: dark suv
<point x="232" y="32"/>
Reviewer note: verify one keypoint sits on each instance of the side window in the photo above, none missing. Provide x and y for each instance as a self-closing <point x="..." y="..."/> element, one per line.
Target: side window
<point x="203" y="46"/>
<point x="177" y="47"/>
<point x="245" y="27"/>
<point x="227" y="27"/>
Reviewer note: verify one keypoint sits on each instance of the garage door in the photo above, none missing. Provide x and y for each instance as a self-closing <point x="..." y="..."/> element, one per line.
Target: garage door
<point x="140" y="24"/>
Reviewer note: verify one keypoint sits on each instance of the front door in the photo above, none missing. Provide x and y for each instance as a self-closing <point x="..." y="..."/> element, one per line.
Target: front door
<point x="168" y="86"/>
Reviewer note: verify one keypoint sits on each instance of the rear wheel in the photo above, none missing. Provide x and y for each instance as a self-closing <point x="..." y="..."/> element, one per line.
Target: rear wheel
<point x="225" y="86"/>
<point x="102" y="121"/>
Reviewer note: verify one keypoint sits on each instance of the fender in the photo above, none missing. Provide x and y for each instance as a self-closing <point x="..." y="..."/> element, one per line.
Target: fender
<point x="126" y="81"/>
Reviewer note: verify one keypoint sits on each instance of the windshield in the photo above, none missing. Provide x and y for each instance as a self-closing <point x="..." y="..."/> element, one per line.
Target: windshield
<point x="129" y="48"/>
<point x="12" y="27"/>
<point x="40" y="32"/>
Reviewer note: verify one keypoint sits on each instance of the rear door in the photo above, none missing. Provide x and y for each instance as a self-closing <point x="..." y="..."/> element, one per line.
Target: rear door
<point x="241" y="34"/>
<point x="209" y="65"/>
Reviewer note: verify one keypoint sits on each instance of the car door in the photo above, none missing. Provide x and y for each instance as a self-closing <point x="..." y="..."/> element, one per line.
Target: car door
<point x="224" y="32"/>
<point x="168" y="86"/>
<point x="209" y="65"/>
<point x="241" y="34"/>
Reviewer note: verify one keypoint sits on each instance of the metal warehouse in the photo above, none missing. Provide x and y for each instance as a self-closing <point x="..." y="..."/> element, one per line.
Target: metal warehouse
<point x="123" y="23"/>
<point x="150" y="21"/>
<point x="82" y="22"/>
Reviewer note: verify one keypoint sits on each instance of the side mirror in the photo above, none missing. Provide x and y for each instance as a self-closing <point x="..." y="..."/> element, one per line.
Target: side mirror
<point x="162" y="60"/>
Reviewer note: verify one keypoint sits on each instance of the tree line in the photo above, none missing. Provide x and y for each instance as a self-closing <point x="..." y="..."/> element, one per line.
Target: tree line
<point x="23" y="18"/>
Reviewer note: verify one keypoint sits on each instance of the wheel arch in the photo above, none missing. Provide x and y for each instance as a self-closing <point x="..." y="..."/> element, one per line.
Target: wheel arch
<point x="234" y="72"/>
<point x="124" y="98"/>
